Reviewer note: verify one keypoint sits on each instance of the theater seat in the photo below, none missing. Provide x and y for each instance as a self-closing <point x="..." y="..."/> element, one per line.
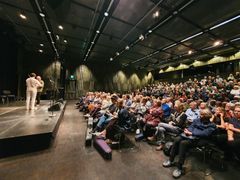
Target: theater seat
<point x="7" y="96"/>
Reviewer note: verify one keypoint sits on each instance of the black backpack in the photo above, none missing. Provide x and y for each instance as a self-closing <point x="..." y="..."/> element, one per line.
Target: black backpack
<point x="167" y="148"/>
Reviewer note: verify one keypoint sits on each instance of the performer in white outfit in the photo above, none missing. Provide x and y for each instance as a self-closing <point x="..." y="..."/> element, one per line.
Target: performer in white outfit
<point x="31" y="93"/>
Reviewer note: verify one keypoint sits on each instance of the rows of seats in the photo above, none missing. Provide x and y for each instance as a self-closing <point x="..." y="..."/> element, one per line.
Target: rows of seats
<point x="198" y="114"/>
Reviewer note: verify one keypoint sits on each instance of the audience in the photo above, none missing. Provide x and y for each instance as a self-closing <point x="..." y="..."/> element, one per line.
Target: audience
<point x="195" y="111"/>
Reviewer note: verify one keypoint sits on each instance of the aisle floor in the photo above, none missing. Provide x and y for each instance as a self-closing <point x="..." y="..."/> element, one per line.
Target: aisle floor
<point x="69" y="159"/>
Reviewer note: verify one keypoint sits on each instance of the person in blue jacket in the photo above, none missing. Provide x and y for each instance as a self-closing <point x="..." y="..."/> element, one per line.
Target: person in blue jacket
<point x="200" y="129"/>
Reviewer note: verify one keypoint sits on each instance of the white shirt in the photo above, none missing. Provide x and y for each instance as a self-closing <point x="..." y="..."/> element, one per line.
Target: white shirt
<point x="32" y="84"/>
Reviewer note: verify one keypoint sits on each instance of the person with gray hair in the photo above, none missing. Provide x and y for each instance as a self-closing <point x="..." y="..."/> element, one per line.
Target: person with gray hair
<point x="194" y="135"/>
<point x="31" y="92"/>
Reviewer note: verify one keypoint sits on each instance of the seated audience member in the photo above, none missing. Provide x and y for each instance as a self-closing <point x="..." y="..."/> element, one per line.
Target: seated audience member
<point x="128" y="101"/>
<point x="233" y="131"/>
<point x="235" y="92"/>
<point x="192" y="112"/>
<point x="166" y="110"/>
<point x="229" y="107"/>
<point x="151" y="119"/>
<point x="197" y="132"/>
<point x="110" y="114"/>
<point x="175" y="125"/>
<point x="202" y="106"/>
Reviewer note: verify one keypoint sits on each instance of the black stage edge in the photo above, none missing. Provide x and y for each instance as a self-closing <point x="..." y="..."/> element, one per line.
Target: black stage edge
<point x="23" y="131"/>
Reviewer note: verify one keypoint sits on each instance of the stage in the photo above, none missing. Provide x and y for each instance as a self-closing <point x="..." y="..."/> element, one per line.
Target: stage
<point x="24" y="131"/>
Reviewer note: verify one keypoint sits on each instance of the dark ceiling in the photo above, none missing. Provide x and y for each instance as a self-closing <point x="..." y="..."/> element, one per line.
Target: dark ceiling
<point x="182" y="26"/>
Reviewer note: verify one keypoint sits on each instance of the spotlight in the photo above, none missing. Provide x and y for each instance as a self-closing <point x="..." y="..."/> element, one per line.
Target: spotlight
<point x="41" y="45"/>
<point x="141" y="37"/>
<point x="127" y="47"/>
<point x="190" y="52"/>
<point x="111" y="59"/>
<point x="53" y="42"/>
<point x="23" y="16"/>
<point x="48" y="32"/>
<point x="42" y="15"/>
<point x="60" y="27"/>
<point x="117" y="53"/>
<point x="40" y="50"/>
<point x="106" y="14"/>
<point x="97" y="31"/>
<point x="57" y="37"/>
<point x="217" y="43"/>
<point x="156" y="14"/>
<point x="92" y="42"/>
<point x="65" y="41"/>
<point x="150" y="31"/>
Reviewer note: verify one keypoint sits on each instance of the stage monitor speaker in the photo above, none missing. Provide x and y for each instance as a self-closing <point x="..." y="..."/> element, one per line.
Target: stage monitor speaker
<point x="60" y="100"/>
<point x="55" y="107"/>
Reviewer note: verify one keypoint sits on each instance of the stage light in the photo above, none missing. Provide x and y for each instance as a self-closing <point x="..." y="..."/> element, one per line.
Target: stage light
<point x="217" y="43"/>
<point x="42" y="15"/>
<point x="127" y="47"/>
<point x="150" y="31"/>
<point x="57" y="37"/>
<point x="97" y="31"/>
<point x="53" y="42"/>
<point x="111" y="59"/>
<point x="106" y="14"/>
<point x="65" y="41"/>
<point x="41" y="45"/>
<point x="23" y="16"/>
<point x="60" y="27"/>
<point x="117" y="53"/>
<point x="141" y="37"/>
<point x="92" y="42"/>
<point x="40" y="50"/>
<point x="190" y="52"/>
<point x="48" y="32"/>
<point x="156" y="14"/>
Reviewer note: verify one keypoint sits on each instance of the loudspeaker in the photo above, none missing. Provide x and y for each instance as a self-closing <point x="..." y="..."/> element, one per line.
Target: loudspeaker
<point x="55" y="107"/>
<point x="60" y="100"/>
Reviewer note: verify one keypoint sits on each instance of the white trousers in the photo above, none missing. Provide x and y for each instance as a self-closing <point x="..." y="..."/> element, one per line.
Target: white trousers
<point x="31" y="96"/>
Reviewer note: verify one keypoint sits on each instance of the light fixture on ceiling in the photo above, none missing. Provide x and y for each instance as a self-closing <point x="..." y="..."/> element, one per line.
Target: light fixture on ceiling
<point x="190" y="52"/>
<point x="92" y="42"/>
<point x="111" y="59"/>
<point x="106" y="14"/>
<point x="42" y="15"/>
<point x="97" y="31"/>
<point x="217" y="43"/>
<point x="49" y="32"/>
<point x="150" y="31"/>
<point x="57" y="37"/>
<point x="53" y="42"/>
<point x="141" y="37"/>
<point x="23" y="16"/>
<point x="40" y="50"/>
<point x="156" y="14"/>
<point x="65" y="41"/>
<point x="41" y="45"/>
<point x="60" y="27"/>
<point x="117" y="53"/>
<point x="235" y="39"/>
<point x="127" y="47"/>
<point x="225" y="22"/>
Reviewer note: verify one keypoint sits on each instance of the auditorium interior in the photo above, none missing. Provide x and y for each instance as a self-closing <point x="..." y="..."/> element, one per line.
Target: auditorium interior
<point x="120" y="89"/>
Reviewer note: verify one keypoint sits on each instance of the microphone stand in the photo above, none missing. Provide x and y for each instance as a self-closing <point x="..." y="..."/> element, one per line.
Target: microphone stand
<point x="52" y="97"/>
